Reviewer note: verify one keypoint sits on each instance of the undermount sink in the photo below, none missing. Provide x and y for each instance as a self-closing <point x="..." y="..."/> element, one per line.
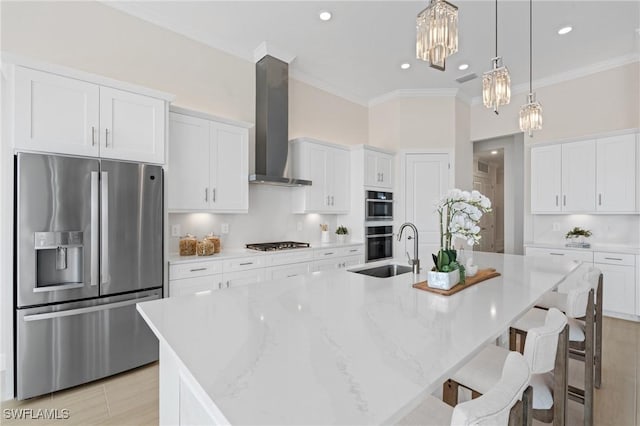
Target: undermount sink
<point x="385" y="271"/>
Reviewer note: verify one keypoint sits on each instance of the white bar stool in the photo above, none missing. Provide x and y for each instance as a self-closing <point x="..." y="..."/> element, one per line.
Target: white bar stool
<point x="508" y="402"/>
<point x="546" y="353"/>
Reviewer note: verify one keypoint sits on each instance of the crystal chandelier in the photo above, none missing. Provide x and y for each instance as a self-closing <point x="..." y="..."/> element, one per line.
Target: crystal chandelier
<point x="437" y="33"/>
<point x="531" y="112"/>
<point x="496" y="84"/>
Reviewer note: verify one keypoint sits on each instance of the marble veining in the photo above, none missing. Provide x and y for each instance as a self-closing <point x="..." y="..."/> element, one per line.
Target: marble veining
<point x="338" y="347"/>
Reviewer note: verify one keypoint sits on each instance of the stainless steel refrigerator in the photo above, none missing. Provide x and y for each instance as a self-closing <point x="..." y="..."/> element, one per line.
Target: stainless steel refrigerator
<point x="88" y="248"/>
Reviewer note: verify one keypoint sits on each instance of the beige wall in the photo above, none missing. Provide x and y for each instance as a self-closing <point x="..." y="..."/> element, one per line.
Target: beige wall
<point x="413" y="123"/>
<point x="92" y="37"/>
<point x="597" y="103"/>
<point x="463" y="146"/>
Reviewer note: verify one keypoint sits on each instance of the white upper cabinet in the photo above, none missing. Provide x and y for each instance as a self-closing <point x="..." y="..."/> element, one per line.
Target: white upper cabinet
<point x="378" y="169"/>
<point x="208" y="165"/>
<point x="229" y="167"/>
<point x="188" y="173"/>
<point x="590" y="176"/>
<point x="56" y="114"/>
<point x="64" y="115"/>
<point x="546" y="178"/>
<point x="131" y="126"/>
<point x="579" y="176"/>
<point x="616" y="174"/>
<point x="327" y="166"/>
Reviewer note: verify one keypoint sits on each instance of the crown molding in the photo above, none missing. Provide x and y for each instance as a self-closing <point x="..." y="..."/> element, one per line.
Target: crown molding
<point x="571" y="75"/>
<point x="265" y="49"/>
<point x="415" y="93"/>
<point x="326" y="87"/>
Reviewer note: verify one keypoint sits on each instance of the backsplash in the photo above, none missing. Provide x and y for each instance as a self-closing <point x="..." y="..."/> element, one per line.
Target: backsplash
<point x="606" y="229"/>
<point x="269" y="219"/>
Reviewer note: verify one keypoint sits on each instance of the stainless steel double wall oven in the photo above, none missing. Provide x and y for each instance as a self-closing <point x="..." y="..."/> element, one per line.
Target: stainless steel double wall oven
<point x="88" y="248"/>
<point x="378" y="225"/>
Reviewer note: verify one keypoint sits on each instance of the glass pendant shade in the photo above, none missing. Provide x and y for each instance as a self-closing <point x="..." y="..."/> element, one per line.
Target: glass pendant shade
<point x="496" y="86"/>
<point x="531" y="115"/>
<point x="437" y="33"/>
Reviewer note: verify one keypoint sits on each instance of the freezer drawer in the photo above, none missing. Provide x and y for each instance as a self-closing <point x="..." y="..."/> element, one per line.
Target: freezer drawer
<point x="73" y="343"/>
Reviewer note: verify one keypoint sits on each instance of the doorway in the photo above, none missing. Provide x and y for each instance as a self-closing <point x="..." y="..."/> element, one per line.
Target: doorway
<point x="488" y="178"/>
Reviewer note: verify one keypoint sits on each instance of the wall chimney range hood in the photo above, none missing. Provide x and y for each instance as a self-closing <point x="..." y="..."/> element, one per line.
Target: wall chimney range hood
<point x="272" y="123"/>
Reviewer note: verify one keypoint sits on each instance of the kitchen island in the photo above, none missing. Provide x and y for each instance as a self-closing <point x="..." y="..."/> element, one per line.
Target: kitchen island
<point x="332" y="347"/>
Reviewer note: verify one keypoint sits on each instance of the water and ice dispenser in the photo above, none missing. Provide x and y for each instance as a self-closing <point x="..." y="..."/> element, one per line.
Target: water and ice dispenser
<point x="58" y="259"/>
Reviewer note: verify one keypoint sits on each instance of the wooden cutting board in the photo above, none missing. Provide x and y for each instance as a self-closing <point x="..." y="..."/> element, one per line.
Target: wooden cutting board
<point x="481" y="275"/>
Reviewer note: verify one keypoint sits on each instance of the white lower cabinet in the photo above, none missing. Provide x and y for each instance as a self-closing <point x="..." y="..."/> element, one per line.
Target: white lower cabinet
<point x="288" y="271"/>
<point x="580" y="255"/>
<point x="336" y="263"/>
<point x="239" y="278"/>
<point x="195" y="285"/>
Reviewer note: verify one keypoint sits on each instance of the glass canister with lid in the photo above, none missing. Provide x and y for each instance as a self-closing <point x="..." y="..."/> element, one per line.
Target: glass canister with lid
<point x="217" y="246"/>
<point x="188" y="245"/>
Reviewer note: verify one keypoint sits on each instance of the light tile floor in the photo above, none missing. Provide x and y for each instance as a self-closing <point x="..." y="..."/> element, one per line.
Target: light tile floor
<point x="131" y="398"/>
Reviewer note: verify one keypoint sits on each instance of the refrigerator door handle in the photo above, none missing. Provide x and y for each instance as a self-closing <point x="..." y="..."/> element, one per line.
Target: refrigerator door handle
<point x="104" y="223"/>
<point x="89" y="309"/>
<point x="95" y="231"/>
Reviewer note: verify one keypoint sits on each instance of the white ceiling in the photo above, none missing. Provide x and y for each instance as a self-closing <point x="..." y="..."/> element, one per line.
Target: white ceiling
<point x="357" y="54"/>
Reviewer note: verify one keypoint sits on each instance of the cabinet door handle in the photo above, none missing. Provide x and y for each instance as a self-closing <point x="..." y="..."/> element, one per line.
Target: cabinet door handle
<point x="332" y="202"/>
<point x="246" y="263"/>
<point x="213" y="194"/>
<point x="614" y="258"/>
<point x="564" y="200"/>
<point x="556" y="200"/>
<point x="106" y="138"/>
<point x="382" y="177"/>
<point x="206" y="195"/>
<point x="220" y="285"/>
<point x="227" y="284"/>
<point x="599" y="199"/>
<point x="556" y="254"/>
<point x="197" y="269"/>
<point x="93" y="136"/>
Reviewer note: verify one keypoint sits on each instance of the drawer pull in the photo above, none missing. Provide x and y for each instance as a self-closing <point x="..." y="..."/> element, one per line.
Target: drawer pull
<point x="614" y="258"/>
<point x="197" y="269"/>
<point x="328" y="254"/>
<point x="354" y="250"/>
<point x="556" y="254"/>
<point x="246" y="263"/>
<point x="292" y="275"/>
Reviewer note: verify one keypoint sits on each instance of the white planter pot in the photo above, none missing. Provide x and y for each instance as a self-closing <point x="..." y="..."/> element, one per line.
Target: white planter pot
<point x="324" y="236"/>
<point x="342" y="238"/>
<point x="443" y="280"/>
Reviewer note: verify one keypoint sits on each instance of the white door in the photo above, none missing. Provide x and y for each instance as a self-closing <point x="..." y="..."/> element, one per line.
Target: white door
<point x="55" y="114"/>
<point x="131" y="126"/>
<point x="240" y="278"/>
<point x="488" y="221"/>
<point x="384" y="167"/>
<point x="546" y="179"/>
<point x="229" y="168"/>
<point x="619" y="288"/>
<point x="340" y="178"/>
<point x="616" y="174"/>
<point x="188" y="171"/>
<point x="426" y="181"/>
<point x="579" y="176"/>
<point x="316" y="194"/>
<point x="371" y="176"/>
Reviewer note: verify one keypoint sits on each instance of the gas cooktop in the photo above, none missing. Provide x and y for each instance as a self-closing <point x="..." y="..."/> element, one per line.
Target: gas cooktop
<point x="280" y="245"/>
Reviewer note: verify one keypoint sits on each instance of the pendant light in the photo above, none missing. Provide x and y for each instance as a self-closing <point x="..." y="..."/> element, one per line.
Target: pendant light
<point x="437" y="33"/>
<point x="496" y="84"/>
<point x="531" y="112"/>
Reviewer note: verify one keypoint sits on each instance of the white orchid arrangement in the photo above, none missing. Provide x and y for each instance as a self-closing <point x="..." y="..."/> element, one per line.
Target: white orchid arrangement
<point x="460" y="213"/>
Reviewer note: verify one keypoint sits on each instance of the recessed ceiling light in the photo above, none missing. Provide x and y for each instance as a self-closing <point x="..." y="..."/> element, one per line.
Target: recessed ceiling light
<point x="463" y="67"/>
<point x="565" y="30"/>
<point x="325" y="15"/>
<point x="405" y="66"/>
<point x="494" y="152"/>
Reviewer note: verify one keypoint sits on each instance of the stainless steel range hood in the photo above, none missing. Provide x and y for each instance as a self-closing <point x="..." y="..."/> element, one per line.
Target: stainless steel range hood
<point x="272" y="123"/>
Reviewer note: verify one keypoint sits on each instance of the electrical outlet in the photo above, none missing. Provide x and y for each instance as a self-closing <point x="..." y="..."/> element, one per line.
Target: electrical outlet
<point x="556" y="226"/>
<point x="175" y="230"/>
<point x="299" y="226"/>
<point x="224" y="228"/>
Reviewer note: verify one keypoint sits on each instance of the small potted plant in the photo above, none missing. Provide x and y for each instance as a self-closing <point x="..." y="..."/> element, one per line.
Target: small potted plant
<point x="342" y="233"/>
<point x="460" y="213"/>
<point x="577" y="237"/>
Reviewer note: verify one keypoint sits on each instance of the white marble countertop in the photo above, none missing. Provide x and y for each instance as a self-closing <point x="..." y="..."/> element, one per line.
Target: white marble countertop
<point x="338" y="347"/>
<point x="613" y="248"/>
<point x="175" y="258"/>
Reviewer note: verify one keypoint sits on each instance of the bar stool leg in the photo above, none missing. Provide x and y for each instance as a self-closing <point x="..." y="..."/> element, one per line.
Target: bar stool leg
<point x="598" y="324"/>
